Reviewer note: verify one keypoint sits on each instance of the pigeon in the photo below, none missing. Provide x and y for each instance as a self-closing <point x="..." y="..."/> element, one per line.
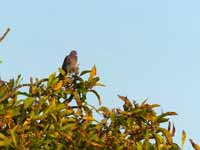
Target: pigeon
<point x="70" y="63"/>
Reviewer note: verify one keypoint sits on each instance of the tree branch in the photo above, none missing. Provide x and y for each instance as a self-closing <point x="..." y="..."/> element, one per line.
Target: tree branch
<point x="4" y="34"/>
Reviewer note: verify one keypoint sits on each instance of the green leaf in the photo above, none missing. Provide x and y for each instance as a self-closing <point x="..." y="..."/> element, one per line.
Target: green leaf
<point x="104" y="109"/>
<point x="14" y="135"/>
<point x="139" y="146"/>
<point x="28" y="102"/>
<point x="99" y="84"/>
<point x="18" y="79"/>
<point x="85" y="72"/>
<point x="61" y="71"/>
<point x="11" y="83"/>
<point x="3" y="137"/>
<point x="50" y="79"/>
<point x="92" y="82"/>
<point x="97" y="95"/>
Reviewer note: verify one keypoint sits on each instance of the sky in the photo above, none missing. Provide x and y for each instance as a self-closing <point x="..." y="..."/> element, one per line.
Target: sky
<point x="142" y="49"/>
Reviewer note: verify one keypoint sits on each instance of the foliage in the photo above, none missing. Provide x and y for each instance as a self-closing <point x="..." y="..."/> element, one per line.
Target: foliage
<point x="54" y="113"/>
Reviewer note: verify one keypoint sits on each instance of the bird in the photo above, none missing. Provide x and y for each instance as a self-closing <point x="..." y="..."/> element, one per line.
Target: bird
<point x="70" y="63"/>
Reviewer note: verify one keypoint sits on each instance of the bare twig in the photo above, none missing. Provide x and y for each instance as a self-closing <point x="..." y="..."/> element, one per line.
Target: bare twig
<point x="4" y="35"/>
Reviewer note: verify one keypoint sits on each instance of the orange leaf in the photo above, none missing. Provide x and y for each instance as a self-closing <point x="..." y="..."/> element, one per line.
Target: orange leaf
<point x="94" y="144"/>
<point x="58" y="85"/>
<point x="93" y="72"/>
<point x="149" y="116"/>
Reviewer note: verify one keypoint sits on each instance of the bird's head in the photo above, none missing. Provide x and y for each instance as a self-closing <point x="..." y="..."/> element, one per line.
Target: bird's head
<point x="73" y="53"/>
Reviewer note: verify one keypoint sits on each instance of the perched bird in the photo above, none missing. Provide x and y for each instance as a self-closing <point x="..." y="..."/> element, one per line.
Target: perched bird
<point x="70" y="63"/>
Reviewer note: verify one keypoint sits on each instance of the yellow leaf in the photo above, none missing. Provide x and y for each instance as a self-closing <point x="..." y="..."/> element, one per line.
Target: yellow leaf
<point x="93" y="72"/>
<point x="99" y="84"/>
<point x="183" y="138"/>
<point x="27" y="122"/>
<point x="14" y="135"/>
<point x="167" y="135"/>
<point x="58" y="85"/>
<point x="3" y="137"/>
<point x="88" y="118"/>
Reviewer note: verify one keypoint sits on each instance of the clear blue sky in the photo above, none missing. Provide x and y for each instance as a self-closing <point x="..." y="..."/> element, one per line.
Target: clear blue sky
<point x="142" y="49"/>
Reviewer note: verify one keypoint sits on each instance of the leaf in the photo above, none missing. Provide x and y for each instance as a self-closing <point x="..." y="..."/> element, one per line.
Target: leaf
<point x="4" y="141"/>
<point x="61" y="71"/>
<point x="54" y="82"/>
<point x="99" y="84"/>
<point x="183" y="138"/>
<point x="85" y="72"/>
<point x="50" y="79"/>
<point x="127" y="104"/>
<point x="125" y="100"/>
<point x="94" y="144"/>
<point x="14" y="135"/>
<point x="18" y="79"/>
<point x="28" y="102"/>
<point x="33" y="90"/>
<point x="93" y="72"/>
<point x="27" y="122"/>
<point x="97" y="95"/>
<point x="11" y="83"/>
<point x="88" y="118"/>
<point x="171" y="113"/>
<point x="161" y="118"/>
<point x="3" y="137"/>
<point x="104" y="109"/>
<point x="92" y="82"/>
<point x="146" y="140"/>
<point x="159" y="139"/>
<point x="154" y="105"/>
<point x="139" y="146"/>
<point x="169" y="126"/>
<point x="194" y="145"/>
<point x="4" y="89"/>
<point x="144" y="102"/>
<point x="173" y="130"/>
<point x="150" y="116"/>
<point x="167" y="135"/>
<point x="58" y="86"/>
